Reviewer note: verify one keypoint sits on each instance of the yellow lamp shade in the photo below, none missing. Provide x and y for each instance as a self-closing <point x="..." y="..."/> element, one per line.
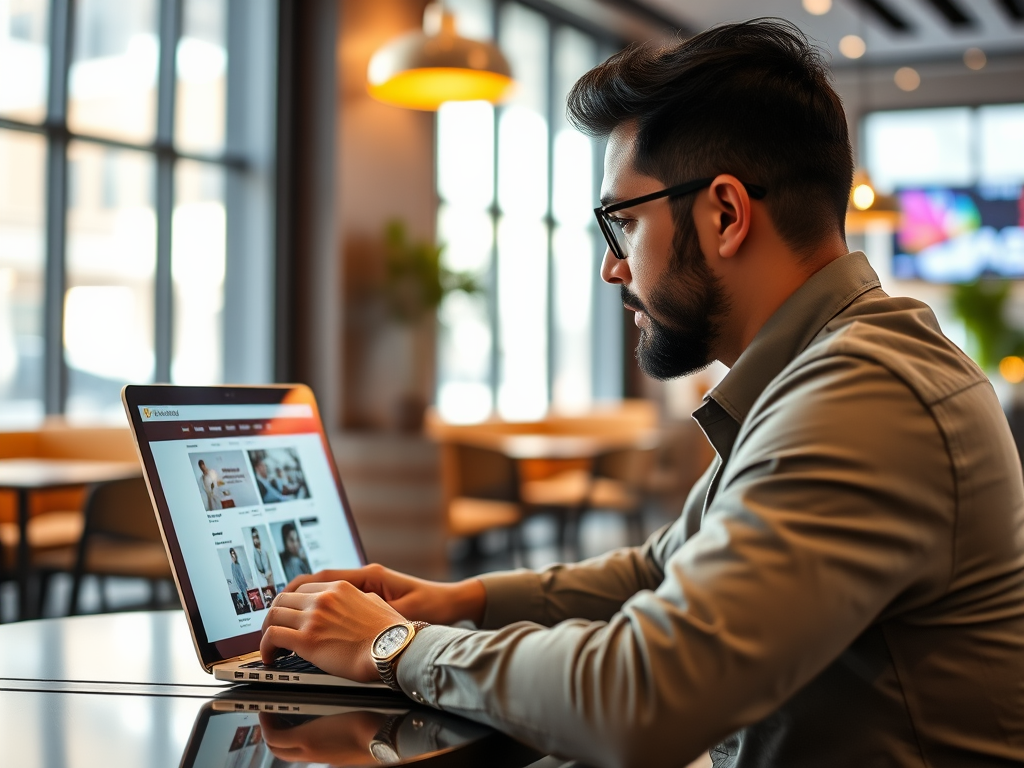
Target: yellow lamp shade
<point x="422" y="70"/>
<point x="429" y="88"/>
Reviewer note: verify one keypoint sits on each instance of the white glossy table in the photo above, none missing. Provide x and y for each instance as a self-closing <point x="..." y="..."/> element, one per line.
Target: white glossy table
<point x="127" y="690"/>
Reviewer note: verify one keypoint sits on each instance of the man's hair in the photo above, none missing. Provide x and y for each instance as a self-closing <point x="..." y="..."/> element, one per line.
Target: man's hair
<point x="753" y="99"/>
<point x="286" y="529"/>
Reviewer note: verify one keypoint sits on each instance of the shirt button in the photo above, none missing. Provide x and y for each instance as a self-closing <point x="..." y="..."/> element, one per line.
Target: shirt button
<point x="418" y="696"/>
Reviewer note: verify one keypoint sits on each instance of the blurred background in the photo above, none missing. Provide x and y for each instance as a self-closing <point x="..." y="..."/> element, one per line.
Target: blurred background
<point x="204" y="192"/>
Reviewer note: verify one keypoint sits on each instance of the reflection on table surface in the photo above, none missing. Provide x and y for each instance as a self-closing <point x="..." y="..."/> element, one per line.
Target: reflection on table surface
<point x="127" y="689"/>
<point x="149" y="647"/>
<point x="247" y="733"/>
<point x="240" y="729"/>
<point x="43" y="729"/>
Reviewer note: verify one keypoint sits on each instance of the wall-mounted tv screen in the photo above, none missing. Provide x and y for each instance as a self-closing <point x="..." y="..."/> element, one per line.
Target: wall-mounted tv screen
<point x="958" y="234"/>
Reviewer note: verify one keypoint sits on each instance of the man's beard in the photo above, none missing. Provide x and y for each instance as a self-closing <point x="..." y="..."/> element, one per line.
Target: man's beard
<point x="692" y="302"/>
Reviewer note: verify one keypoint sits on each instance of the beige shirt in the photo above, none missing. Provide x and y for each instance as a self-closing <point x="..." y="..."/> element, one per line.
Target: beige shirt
<point x="844" y="587"/>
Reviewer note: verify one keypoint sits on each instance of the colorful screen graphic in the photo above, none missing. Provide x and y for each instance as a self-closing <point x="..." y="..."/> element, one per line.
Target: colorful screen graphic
<point x="955" y="235"/>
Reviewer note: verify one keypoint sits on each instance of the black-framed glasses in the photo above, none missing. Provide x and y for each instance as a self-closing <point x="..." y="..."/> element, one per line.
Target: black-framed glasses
<point x="612" y="228"/>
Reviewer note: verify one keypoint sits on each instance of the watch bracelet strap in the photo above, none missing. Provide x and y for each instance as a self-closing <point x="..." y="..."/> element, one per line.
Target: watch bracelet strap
<point x="386" y="732"/>
<point x="386" y="670"/>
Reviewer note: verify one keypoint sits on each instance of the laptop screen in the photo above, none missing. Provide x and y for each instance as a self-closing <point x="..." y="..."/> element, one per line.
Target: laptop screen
<point x="248" y="497"/>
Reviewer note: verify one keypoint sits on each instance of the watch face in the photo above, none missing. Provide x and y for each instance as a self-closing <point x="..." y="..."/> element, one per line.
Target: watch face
<point x="390" y="641"/>
<point x="384" y="754"/>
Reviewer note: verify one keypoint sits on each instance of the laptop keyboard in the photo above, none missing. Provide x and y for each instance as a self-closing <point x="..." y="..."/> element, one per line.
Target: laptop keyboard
<point x="288" y="664"/>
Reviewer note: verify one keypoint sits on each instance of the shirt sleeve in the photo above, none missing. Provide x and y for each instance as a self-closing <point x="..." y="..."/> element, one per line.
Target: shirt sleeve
<point x="821" y="519"/>
<point x="596" y="588"/>
<point x="592" y="589"/>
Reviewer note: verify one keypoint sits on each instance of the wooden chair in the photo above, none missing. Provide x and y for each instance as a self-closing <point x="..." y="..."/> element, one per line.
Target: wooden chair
<point x="56" y="521"/>
<point x="120" y="537"/>
<point x="49" y="532"/>
<point x="562" y="486"/>
<point x="616" y="480"/>
<point x="481" y="490"/>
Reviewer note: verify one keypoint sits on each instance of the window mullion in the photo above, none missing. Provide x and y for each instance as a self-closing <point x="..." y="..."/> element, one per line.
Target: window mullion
<point x="551" y="119"/>
<point x="54" y="368"/>
<point x="496" y="213"/>
<point x="170" y="31"/>
<point x="609" y="353"/>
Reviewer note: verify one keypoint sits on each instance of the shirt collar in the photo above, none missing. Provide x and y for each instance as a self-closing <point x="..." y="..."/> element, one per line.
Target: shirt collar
<point x="787" y="333"/>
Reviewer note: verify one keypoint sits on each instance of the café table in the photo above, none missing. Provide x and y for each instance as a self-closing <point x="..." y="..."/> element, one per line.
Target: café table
<point x="127" y="689"/>
<point x="560" y="447"/>
<point x="26" y="476"/>
<point x="565" y="479"/>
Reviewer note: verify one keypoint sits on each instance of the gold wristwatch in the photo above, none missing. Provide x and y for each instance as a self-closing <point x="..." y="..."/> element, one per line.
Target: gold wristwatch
<point x="384" y="745"/>
<point x="388" y="646"/>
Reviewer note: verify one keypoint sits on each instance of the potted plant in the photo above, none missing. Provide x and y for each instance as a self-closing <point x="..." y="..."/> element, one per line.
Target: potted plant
<point x="415" y="283"/>
<point x="981" y="306"/>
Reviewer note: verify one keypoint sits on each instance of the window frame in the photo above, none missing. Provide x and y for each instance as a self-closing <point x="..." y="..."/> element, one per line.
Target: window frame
<point x="245" y="160"/>
<point x="607" y="372"/>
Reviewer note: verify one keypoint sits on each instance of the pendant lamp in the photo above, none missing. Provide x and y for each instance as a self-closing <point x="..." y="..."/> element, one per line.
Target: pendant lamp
<point x="424" y="69"/>
<point x="867" y="207"/>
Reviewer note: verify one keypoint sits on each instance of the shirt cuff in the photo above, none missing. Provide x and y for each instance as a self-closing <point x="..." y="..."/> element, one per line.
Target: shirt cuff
<point x="416" y="664"/>
<point x="512" y="596"/>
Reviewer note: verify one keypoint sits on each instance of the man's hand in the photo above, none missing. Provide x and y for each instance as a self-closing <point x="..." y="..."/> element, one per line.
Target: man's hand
<point x="342" y="739"/>
<point x="331" y="625"/>
<point x="416" y="599"/>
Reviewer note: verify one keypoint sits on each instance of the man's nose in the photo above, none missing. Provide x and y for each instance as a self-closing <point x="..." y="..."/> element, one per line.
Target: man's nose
<point x="615" y="271"/>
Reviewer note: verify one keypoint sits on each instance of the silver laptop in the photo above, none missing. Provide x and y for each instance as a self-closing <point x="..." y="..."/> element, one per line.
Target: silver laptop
<point x="247" y="497"/>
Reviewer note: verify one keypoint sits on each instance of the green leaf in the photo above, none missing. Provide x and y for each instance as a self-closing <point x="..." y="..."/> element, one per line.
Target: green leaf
<point x="415" y="281"/>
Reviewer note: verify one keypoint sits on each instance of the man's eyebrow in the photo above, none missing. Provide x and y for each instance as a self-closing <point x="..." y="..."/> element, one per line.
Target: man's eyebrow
<point x="609" y="199"/>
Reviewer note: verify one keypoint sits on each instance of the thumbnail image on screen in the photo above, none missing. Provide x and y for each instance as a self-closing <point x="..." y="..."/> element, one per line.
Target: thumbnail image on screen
<point x="279" y="475"/>
<point x="264" y="556"/>
<point x="224" y="479"/>
<point x="290" y="548"/>
<point x="246" y="595"/>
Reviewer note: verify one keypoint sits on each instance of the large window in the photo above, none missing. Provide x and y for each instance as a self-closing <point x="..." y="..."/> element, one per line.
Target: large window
<point x="517" y="186"/>
<point x="958" y="174"/>
<point x="126" y="161"/>
<point x="950" y="146"/>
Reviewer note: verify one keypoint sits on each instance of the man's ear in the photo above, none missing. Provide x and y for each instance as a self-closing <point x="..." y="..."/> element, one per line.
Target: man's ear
<point x="730" y="211"/>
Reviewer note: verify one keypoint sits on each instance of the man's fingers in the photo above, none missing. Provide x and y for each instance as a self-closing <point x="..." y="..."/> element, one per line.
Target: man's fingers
<point x="284" y="617"/>
<point x="277" y="737"/>
<point x="276" y="638"/>
<point x="297" y="600"/>
<point x="353" y="576"/>
<point x="313" y="586"/>
<point x="296" y="583"/>
<point x="286" y="610"/>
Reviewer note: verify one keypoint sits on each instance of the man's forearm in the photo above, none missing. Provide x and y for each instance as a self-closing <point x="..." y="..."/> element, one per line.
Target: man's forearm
<point x="593" y="589"/>
<point x="469" y="601"/>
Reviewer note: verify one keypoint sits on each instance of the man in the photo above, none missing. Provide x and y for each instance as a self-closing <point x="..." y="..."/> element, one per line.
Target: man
<point x="262" y="559"/>
<point x="241" y="583"/>
<point x="845" y="585"/>
<point x="268" y="493"/>
<point x="209" y="480"/>
<point x="292" y="557"/>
